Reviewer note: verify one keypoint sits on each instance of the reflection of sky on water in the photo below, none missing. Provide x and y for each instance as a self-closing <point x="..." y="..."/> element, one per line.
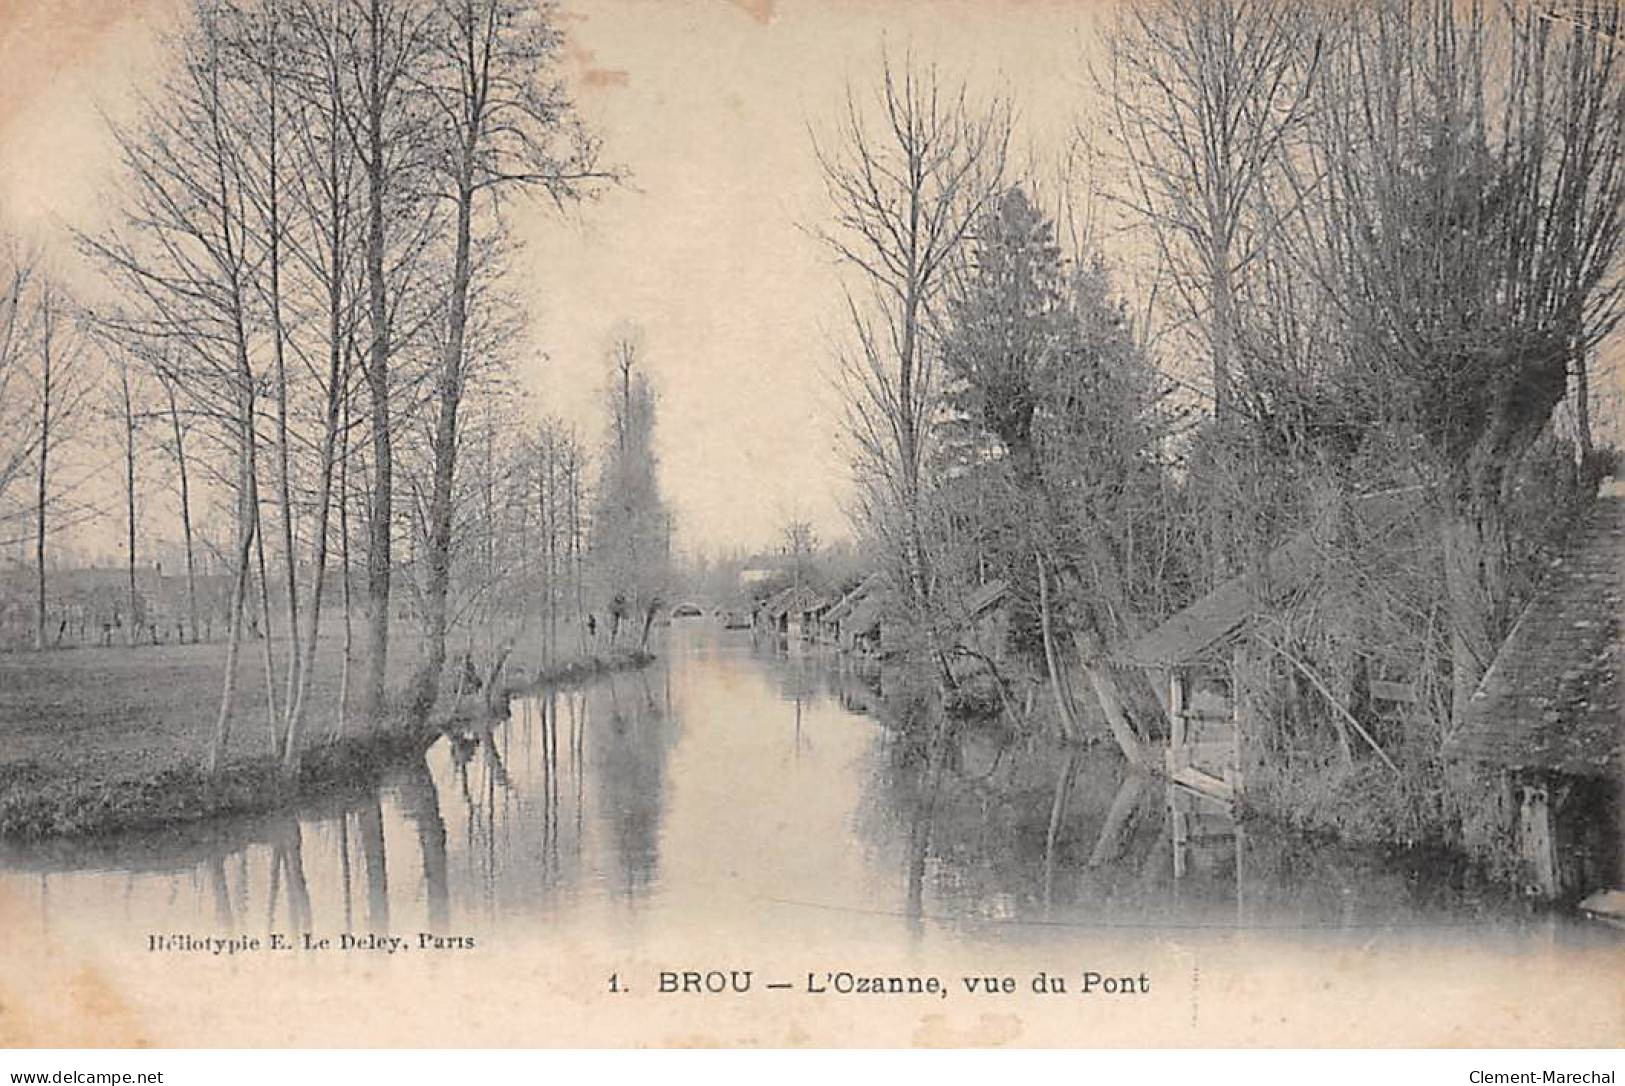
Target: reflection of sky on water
<point x="738" y="790"/>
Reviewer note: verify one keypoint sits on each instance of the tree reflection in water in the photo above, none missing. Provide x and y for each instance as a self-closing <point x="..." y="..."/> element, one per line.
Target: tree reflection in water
<point x="1057" y="817"/>
<point x="850" y="788"/>
<point x="370" y="830"/>
<point x="215" y="873"/>
<point x="288" y="871"/>
<point x="345" y="878"/>
<point x="628" y="743"/>
<point x="420" y="804"/>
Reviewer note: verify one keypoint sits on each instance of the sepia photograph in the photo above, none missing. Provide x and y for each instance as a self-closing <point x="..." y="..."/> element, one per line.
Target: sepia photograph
<point x="829" y="524"/>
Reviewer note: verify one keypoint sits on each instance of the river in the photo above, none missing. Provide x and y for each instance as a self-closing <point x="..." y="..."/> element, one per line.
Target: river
<point x="760" y="797"/>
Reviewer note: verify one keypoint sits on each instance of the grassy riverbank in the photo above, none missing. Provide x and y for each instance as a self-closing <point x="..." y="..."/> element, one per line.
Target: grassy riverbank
<point x="579" y="669"/>
<point x="102" y="740"/>
<point x="1423" y="812"/>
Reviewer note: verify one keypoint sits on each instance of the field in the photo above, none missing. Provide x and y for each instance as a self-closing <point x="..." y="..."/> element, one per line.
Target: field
<point x="100" y="739"/>
<point x="110" y="712"/>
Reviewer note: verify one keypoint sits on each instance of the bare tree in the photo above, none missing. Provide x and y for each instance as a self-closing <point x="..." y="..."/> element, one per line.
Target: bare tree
<point x="1207" y="97"/>
<point x="260" y="41"/>
<point x="18" y="435"/>
<point x="47" y="331"/>
<point x="385" y="48"/>
<point x="906" y="185"/>
<point x="177" y="449"/>
<point x="325" y="195"/>
<point x="1471" y="236"/>
<point x="182" y="260"/>
<point x="800" y="544"/>
<point x="507" y="125"/>
<point x="554" y="458"/>
<point x="61" y="391"/>
<point x="630" y="540"/>
<point x="125" y="414"/>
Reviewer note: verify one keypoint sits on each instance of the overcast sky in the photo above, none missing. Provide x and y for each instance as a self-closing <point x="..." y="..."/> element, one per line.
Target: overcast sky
<point x="708" y="105"/>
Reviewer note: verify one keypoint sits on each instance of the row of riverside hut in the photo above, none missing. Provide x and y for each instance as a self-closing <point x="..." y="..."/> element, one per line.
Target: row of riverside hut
<point x="852" y="622"/>
<point x="857" y="621"/>
<point x="1543" y="736"/>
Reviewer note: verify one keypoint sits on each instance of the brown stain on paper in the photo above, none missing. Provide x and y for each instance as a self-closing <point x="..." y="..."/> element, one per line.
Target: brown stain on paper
<point x="760" y="10"/>
<point x="585" y="62"/>
<point x="54" y="994"/>
<point x="38" y="41"/>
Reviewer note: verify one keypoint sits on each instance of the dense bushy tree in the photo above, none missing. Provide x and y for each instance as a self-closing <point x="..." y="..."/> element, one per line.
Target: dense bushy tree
<point x="631" y="527"/>
<point x="1469" y="230"/>
<point x="1056" y="469"/>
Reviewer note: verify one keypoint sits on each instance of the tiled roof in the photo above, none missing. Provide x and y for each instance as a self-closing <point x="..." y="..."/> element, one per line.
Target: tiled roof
<point x="865" y="616"/>
<point x="1551" y="698"/>
<point x="769" y="605"/>
<point x="789" y="601"/>
<point x="985" y="597"/>
<point x="1217" y="615"/>
<point x="849" y="602"/>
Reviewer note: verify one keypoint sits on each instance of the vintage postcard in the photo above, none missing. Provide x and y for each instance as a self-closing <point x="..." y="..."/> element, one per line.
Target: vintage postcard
<point x="811" y="523"/>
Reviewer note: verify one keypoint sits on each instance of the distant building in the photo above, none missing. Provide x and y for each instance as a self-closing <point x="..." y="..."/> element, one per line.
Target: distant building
<point x="852" y="623"/>
<point x="787" y="613"/>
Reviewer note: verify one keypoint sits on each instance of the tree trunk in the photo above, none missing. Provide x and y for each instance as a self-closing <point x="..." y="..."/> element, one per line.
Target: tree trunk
<point x="378" y="541"/>
<point x="344" y="562"/>
<point x="552" y="529"/>
<point x="1223" y="302"/>
<point x="427" y="687"/>
<point x="1582" y="418"/>
<point x="1090" y="649"/>
<point x="908" y="436"/>
<point x="278" y="340"/>
<point x="129" y="493"/>
<point x="336" y="382"/>
<point x="1476" y="590"/>
<point x="186" y="510"/>
<point x="44" y="455"/>
<point x="239" y="593"/>
<point x="1071" y="732"/>
<point x="496" y="700"/>
<point x="576" y="559"/>
<point x="274" y="720"/>
<point x="543" y="509"/>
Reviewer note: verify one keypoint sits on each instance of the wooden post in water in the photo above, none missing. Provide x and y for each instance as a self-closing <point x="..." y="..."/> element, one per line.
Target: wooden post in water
<point x="1177" y="829"/>
<point x="1176" y="718"/>
<point x="1246" y="665"/>
<point x="1536" y="841"/>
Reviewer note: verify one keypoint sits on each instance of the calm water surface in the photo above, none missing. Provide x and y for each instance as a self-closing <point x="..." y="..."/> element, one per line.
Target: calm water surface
<point x="752" y="791"/>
